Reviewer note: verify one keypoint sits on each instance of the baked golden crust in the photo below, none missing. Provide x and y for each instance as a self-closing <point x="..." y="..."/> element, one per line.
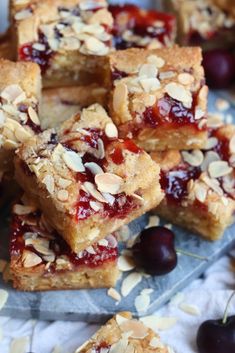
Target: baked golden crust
<point x="69" y="38"/>
<point x="227" y="5"/>
<point x="148" y="85"/>
<point x="6" y="50"/>
<point x="200" y="185"/>
<point x="211" y="27"/>
<point x="41" y="260"/>
<point x="60" y="104"/>
<point x="121" y="333"/>
<point x="86" y="180"/>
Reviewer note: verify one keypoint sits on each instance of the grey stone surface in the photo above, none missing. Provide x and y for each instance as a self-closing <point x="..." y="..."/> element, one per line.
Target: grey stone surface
<point x="95" y="305"/>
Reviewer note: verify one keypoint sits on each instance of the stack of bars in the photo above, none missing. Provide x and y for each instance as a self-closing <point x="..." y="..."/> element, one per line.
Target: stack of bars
<point x="120" y="128"/>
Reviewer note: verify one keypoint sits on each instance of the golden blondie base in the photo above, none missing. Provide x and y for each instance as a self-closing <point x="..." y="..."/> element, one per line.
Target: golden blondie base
<point x="35" y="279"/>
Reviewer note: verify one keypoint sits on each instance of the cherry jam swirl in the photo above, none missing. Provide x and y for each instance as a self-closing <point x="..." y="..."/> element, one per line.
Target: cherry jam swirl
<point x="141" y="23"/>
<point x="121" y="204"/>
<point x="20" y="226"/>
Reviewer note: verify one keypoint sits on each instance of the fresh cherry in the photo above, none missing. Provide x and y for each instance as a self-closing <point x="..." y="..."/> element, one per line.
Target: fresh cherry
<point x="155" y="251"/>
<point x="217" y="336"/>
<point x="219" y="68"/>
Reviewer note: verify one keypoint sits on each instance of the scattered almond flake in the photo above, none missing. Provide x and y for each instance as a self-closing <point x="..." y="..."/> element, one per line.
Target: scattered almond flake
<point x="156" y="343"/>
<point x="101" y="151"/>
<point x="199" y="113"/>
<point x="96" y="206"/>
<point x="179" y="93"/>
<point x="11" y="92"/>
<point x="153" y="221"/>
<point x="107" y="182"/>
<point x="113" y="293"/>
<point x="63" y="195"/>
<point x="3" y="264"/>
<point x="56" y="349"/>
<point x="189" y="309"/>
<point x="123" y="233"/>
<point x="218" y="169"/>
<point x="211" y="143"/>
<point x="22" y="210"/>
<point x="30" y="259"/>
<point x="3" y="298"/>
<point x="120" y="97"/>
<point x="96" y="46"/>
<point x="73" y="161"/>
<point x="148" y="71"/>
<point x="119" y="346"/>
<point x="2" y="118"/>
<point x="91" y="250"/>
<point x="39" y="46"/>
<point x="213" y="184"/>
<point x="177" y="299"/>
<point x="149" y="84"/>
<point x="194" y="158"/>
<point x="19" y="345"/>
<point x="120" y="319"/>
<point x="48" y="180"/>
<point x="125" y="263"/>
<point x="33" y="116"/>
<point x="232" y="144"/>
<point x="23" y="14"/>
<point x="209" y="157"/>
<point x="94" y="168"/>
<point x="142" y="303"/>
<point x="166" y="75"/>
<point x="111" y="131"/>
<point x="134" y="328"/>
<point x="130" y="282"/>
<point x="222" y="104"/>
<point x="159" y="323"/>
<point x="168" y="225"/>
<point x="185" y="78"/>
<point x="156" y="60"/>
<point x="64" y="183"/>
<point x="91" y="189"/>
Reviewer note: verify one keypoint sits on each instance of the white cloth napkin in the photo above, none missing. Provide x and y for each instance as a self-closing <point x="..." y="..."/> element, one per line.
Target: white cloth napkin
<point x="208" y="294"/>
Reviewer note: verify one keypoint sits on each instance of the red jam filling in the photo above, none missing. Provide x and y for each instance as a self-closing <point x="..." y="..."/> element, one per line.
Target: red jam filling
<point x="118" y="75"/>
<point x="58" y="245"/>
<point x="122" y="205"/>
<point x="101" y="347"/>
<point x="41" y="57"/>
<point x="141" y="23"/>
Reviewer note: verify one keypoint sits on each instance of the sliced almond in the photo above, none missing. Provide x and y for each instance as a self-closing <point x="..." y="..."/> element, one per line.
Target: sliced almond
<point x="73" y="161"/>
<point x="159" y="323"/>
<point x="211" y="143"/>
<point x="120" y="97"/>
<point x="209" y="157"/>
<point x="2" y="118"/>
<point x="148" y="71"/>
<point x="111" y="130"/>
<point x="3" y="298"/>
<point x="194" y="158"/>
<point x="30" y="259"/>
<point x="96" y="206"/>
<point x="94" y="168"/>
<point x="22" y="210"/>
<point x="11" y="92"/>
<point x="150" y="84"/>
<point x="113" y="293"/>
<point x="136" y="329"/>
<point x="125" y="263"/>
<point x="180" y="93"/>
<point x="91" y="189"/>
<point x="142" y="303"/>
<point x="156" y="60"/>
<point x="189" y="309"/>
<point x="218" y="169"/>
<point x="39" y="46"/>
<point x="200" y="192"/>
<point x="110" y="183"/>
<point x="33" y="116"/>
<point x="63" y="195"/>
<point x="185" y="78"/>
<point x="232" y="144"/>
<point x="19" y="345"/>
<point x="49" y="181"/>
<point x="130" y="282"/>
<point x="96" y="46"/>
<point x="22" y="134"/>
<point x="199" y="113"/>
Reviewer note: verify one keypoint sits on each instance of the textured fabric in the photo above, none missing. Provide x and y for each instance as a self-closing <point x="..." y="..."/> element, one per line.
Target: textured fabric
<point x="208" y="294"/>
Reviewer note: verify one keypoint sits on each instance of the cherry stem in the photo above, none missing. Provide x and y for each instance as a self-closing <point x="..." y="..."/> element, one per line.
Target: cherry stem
<point x="184" y="252"/>
<point x="226" y="309"/>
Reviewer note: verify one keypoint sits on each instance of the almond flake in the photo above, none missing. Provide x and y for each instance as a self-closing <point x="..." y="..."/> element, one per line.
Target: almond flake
<point x="185" y="78"/>
<point x="179" y="93"/>
<point x="136" y="328"/>
<point x="166" y="75"/>
<point x="113" y="293"/>
<point x="95" y="205"/>
<point x="39" y="46"/>
<point x="211" y="143"/>
<point x="2" y="118"/>
<point x="125" y="263"/>
<point x="63" y="195"/>
<point x="22" y="210"/>
<point x="11" y="92"/>
<point x="103" y="242"/>
<point x="22" y="15"/>
<point x="96" y="46"/>
<point x="153" y="221"/>
<point x="70" y="43"/>
<point x="156" y="60"/>
<point x="232" y="144"/>
<point x="209" y="157"/>
<point x="107" y="182"/>
<point x="119" y="346"/>
<point x="111" y="130"/>
<point x="148" y="71"/>
<point x="22" y="134"/>
<point x="94" y="168"/>
<point x="33" y="116"/>
<point x="73" y="161"/>
<point x="3" y="298"/>
<point x="200" y="192"/>
<point x="91" y="189"/>
<point x="199" y="113"/>
<point x="30" y="259"/>
<point x="101" y="151"/>
<point x="213" y="184"/>
<point x="120" y="97"/>
<point x="159" y="323"/>
<point x="218" y="169"/>
<point x="19" y="345"/>
<point x="150" y="84"/>
<point x="142" y="303"/>
<point x="194" y="158"/>
<point x="156" y="343"/>
<point x="130" y="282"/>
<point x="49" y="181"/>
<point x="189" y="309"/>
<point x="91" y="250"/>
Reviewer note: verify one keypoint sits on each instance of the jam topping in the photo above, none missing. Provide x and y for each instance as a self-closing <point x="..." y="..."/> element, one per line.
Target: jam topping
<point x="118" y="205"/>
<point x="118" y="75"/>
<point x="135" y="27"/>
<point x="25" y="226"/>
<point x="102" y="348"/>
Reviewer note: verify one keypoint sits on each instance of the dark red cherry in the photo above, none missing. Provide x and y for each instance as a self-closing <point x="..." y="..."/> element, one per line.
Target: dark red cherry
<point x="156" y="252"/>
<point x="214" y="336"/>
<point x="219" y="68"/>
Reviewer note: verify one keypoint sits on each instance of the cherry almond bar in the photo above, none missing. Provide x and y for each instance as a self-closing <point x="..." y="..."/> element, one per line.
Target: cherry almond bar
<point x="159" y="97"/>
<point x="200" y="184"/>
<point x="87" y="181"/>
<point x="42" y="260"/>
<point x="69" y="39"/>
<point x="124" y="334"/>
